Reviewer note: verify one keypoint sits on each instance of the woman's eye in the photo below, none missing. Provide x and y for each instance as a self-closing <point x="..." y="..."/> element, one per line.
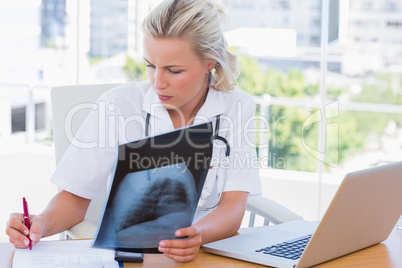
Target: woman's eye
<point x="175" y="72"/>
<point x="150" y="66"/>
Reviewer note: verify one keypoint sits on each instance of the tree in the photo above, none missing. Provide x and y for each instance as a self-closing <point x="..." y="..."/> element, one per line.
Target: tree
<point x="135" y="70"/>
<point x="289" y="138"/>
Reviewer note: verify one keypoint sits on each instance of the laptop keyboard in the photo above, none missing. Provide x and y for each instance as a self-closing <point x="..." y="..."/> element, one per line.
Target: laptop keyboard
<point x="291" y="249"/>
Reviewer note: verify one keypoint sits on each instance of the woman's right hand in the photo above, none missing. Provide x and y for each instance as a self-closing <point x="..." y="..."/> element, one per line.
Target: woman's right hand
<point x="18" y="233"/>
<point x="63" y="211"/>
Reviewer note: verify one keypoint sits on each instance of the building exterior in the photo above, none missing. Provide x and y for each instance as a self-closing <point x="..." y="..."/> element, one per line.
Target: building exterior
<point x="364" y="35"/>
<point x="52" y="22"/>
<point x="374" y="35"/>
<point x="19" y="40"/>
<point x="20" y="64"/>
<point x="109" y="27"/>
<point x="274" y="44"/>
<point x="116" y="26"/>
<point x="302" y="16"/>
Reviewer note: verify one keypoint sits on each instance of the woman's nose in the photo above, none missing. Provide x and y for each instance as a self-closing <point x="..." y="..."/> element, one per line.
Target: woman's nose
<point x="159" y="81"/>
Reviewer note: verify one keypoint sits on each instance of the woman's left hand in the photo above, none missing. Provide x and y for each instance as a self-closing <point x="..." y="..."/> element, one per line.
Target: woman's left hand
<point x="182" y="250"/>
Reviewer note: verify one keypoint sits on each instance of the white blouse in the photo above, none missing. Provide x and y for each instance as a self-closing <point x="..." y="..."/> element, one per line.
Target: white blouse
<point x="119" y="117"/>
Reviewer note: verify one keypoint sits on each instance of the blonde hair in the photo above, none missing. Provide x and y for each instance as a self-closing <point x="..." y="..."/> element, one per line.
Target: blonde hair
<point x="199" y="22"/>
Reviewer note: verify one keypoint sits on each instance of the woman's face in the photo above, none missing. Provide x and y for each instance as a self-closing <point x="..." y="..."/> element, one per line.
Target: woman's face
<point x="178" y="75"/>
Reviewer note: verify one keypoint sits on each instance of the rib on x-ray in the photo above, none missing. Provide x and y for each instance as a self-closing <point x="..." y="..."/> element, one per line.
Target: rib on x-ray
<point x="161" y="197"/>
<point x="149" y="206"/>
<point x="156" y="192"/>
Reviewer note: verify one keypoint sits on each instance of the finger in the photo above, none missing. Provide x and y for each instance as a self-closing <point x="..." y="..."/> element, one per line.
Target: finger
<point x="17" y="238"/>
<point x="182" y="252"/>
<point x="188" y="231"/>
<point x="35" y="233"/>
<point x="194" y="239"/>
<point x="180" y="258"/>
<point x="19" y="244"/>
<point x="177" y="243"/>
<point x="179" y="251"/>
<point x="16" y="222"/>
<point x="180" y="247"/>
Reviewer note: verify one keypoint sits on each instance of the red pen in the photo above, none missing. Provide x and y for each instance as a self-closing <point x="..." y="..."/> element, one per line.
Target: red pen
<point x="26" y="218"/>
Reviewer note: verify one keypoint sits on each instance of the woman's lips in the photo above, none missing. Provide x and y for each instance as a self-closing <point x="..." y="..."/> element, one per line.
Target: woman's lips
<point x="164" y="98"/>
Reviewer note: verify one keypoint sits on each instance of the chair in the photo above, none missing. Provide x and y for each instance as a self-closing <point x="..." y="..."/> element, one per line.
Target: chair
<point x="271" y="211"/>
<point x="63" y="98"/>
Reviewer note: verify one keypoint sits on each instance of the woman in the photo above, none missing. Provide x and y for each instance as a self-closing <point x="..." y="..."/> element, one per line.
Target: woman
<point x="191" y="80"/>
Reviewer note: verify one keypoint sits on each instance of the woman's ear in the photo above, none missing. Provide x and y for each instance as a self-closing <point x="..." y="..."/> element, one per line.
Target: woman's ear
<point x="211" y="64"/>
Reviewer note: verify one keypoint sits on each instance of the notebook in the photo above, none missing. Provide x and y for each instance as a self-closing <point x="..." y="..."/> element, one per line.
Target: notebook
<point x="63" y="254"/>
<point x="362" y="213"/>
<point x="156" y="186"/>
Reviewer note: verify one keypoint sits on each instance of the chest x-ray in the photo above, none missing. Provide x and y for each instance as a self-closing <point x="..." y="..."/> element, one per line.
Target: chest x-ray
<point x="147" y="203"/>
<point x="152" y="203"/>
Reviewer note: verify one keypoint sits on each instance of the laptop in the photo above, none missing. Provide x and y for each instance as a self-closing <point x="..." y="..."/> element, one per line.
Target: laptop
<point x="362" y="213"/>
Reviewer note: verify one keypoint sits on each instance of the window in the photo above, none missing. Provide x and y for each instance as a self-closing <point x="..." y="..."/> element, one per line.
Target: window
<point x="394" y="24"/>
<point x="19" y="120"/>
<point x="332" y="107"/>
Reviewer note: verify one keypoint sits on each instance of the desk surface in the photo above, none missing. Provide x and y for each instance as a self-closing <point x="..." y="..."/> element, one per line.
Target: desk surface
<point x="386" y="254"/>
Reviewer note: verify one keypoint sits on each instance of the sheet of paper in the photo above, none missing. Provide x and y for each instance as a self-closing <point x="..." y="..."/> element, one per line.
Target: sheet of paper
<point x="60" y="254"/>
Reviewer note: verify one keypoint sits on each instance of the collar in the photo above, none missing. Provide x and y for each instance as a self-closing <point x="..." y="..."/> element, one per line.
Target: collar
<point x="214" y="105"/>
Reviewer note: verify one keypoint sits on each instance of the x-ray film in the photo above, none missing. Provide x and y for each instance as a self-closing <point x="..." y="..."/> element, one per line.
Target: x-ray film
<point x="155" y="190"/>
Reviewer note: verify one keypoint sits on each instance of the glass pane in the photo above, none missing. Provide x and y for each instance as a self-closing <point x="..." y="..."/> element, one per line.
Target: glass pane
<point x="371" y="74"/>
<point x="62" y="42"/>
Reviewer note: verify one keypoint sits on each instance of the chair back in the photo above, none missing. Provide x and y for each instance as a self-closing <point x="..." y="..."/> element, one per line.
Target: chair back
<point x="63" y="100"/>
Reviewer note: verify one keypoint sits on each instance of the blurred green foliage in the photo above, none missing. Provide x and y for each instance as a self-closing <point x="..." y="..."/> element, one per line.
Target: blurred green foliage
<point x="135" y="70"/>
<point x="293" y="131"/>
<point x="293" y="141"/>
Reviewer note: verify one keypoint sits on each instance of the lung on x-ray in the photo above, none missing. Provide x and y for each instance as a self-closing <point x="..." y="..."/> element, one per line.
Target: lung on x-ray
<point x="155" y="189"/>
